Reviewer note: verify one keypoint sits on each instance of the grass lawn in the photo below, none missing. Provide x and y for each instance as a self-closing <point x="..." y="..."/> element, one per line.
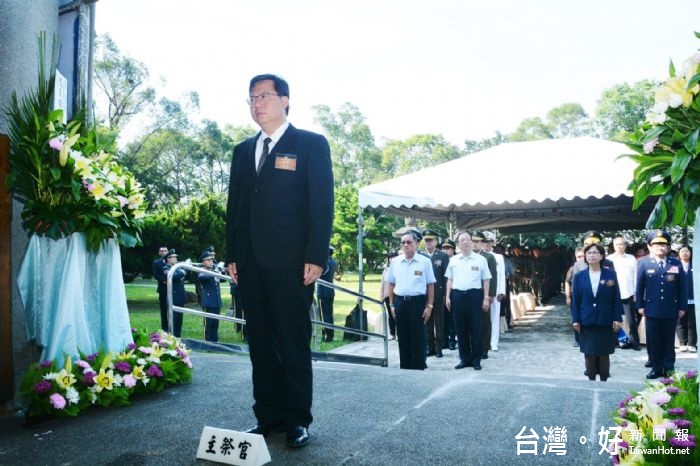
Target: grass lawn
<point x="144" y="313"/>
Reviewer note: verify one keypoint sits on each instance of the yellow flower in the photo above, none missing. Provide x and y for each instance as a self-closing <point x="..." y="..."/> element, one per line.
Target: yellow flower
<point x="138" y="372"/>
<point x="65" y="378"/>
<point x="104" y="380"/>
<point x="82" y="165"/>
<point x="67" y="144"/>
<point x="139" y="214"/>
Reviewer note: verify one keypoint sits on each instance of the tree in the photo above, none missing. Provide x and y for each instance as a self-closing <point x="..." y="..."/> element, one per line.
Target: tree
<point x="568" y="121"/>
<point x="356" y="159"/>
<point x="415" y="153"/>
<point x="477" y="145"/>
<point x="123" y="81"/>
<point x="622" y="108"/>
<point x="531" y="129"/>
<point x="214" y="155"/>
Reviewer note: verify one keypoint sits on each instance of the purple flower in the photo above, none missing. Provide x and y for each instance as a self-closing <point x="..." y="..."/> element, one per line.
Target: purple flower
<point x="623" y="412"/>
<point x="672" y="390"/>
<point x="690" y="374"/>
<point x="42" y="387"/>
<point x="624" y="444"/>
<point x="154" y="371"/>
<point x="89" y="378"/>
<point x="123" y="366"/>
<point x="57" y="401"/>
<point x="676" y="411"/>
<point x="682" y="423"/>
<point x="91" y="357"/>
<point x="133" y="330"/>
<point x="45" y="363"/>
<point x="131" y="346"/>
<point x="667" y="381"/>
<point x="674" y="442"/>
<point x="624" y="424"/>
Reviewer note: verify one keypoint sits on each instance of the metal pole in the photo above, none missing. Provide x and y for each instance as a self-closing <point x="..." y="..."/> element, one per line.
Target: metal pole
<point x="360" y="268"/>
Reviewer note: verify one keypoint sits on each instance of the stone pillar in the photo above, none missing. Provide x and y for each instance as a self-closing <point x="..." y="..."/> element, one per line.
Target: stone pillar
<point x="20" y="24"/>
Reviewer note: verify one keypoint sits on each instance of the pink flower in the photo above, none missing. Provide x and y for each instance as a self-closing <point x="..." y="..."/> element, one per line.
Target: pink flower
<point x="649" y="146"/>
<point x="145" y="349"/>
<point x="129" y="381"/>
<point x="57" y="401"/>
<point x="82" y="364"/>
<point x="187" y="362"/>
<point x="660" y="398"/>
<point x="122" y="201"/>
<point x="56" y="143"/>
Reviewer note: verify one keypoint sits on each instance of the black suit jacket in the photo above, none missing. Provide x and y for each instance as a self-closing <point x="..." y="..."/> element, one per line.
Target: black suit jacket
<point x="285" y="213"/>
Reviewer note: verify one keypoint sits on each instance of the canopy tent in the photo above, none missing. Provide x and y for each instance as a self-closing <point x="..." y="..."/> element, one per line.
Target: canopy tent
<point x="573" y="184"/>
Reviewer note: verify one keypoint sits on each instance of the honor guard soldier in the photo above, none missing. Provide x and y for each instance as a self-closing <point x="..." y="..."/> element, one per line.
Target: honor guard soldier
<point x="178" y="290"/>
<point x="159" y="276"/>
<point x="211" y="295"/>
<point x="326" y="295"/>
<point x="436" y="323"/>
<point x="661" y="298"/>
<point x="450" y="336"/>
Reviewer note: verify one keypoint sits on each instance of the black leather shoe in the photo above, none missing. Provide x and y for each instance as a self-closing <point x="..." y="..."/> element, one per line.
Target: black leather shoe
<point x="648" y="364"/>
<point x="264" y="430"/>
<point x="477" y="367"/>
<point x="438" y="354"/>
<point x="654" y="375"/>
<point x="452" y="345"/>
<point x="485" y="356"/>
<point x="462" y="365"/>
<point x="637" y="348"/>
<point x="431" y="353"/>
<point x="297" y="437"/>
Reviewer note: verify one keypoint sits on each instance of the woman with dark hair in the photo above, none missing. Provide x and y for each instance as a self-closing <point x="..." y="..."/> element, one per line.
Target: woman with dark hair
<point x="687" y="334"/>
<point x="596" y="311"/>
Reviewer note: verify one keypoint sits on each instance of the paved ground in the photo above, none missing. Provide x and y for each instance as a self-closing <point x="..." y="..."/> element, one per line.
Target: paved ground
<point x="367" y="415"/>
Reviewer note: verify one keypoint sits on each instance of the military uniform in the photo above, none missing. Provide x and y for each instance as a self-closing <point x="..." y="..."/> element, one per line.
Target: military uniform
<point x="160" y="277"/>
<point x="178" y="283"/>
<point x="661" y="298"/>
<point x="326" y="295"/>
<point x="493" y="288"/>
<point x="436" y="323"/>
<point x="210" y="299"/>
<point x="449" y="335"/>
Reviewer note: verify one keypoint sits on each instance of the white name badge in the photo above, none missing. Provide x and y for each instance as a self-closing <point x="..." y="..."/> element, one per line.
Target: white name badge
<point x="232" y="447"/>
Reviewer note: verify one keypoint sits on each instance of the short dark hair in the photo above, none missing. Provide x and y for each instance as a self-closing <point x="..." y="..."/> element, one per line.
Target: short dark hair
<point x="280" y="85"/>
<point x="597" y="246"/>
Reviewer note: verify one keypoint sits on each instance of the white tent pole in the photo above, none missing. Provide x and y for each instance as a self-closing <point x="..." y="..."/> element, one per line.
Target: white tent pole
<point x="360" y="268"/>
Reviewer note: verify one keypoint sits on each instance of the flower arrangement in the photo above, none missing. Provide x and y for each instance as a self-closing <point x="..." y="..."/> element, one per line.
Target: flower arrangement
<point x="150" y="364"/>
<point x="667" y="148"/>
<point x="664" y="415"/>
<point x="62" y="174"/>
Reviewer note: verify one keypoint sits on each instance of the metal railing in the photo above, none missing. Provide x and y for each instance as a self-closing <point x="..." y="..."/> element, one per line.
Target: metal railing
<point x="317" y="355"/>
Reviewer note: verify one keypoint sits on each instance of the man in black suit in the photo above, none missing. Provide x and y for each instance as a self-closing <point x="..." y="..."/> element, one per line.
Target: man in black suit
<point x="280" y="193"/>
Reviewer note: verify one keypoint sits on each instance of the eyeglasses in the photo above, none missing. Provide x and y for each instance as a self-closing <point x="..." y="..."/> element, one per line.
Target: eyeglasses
<point x="407" y="242"/>
<point x="593" y="252"/>
<point x="262" y="98"/>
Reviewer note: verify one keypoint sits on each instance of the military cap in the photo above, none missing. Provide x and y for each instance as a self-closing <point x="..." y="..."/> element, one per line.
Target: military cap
<point x="206" y="254"/>
<point x="591" y="237"/>
<point x="170" y="253"/>
<point x="448" y="243"/>
<point x="490" y="236"/>
<point x="430" y="234"/>
<point x="478" y="236"/>
<point x="658" y="237"/>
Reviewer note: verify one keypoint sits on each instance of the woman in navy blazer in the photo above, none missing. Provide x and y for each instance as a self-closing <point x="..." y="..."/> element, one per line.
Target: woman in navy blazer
<point x="687" y="335"/>
<point x="596" y="311"/>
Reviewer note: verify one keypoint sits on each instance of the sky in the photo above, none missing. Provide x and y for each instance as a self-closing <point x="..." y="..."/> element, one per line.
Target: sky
<point x="461" y="68"/>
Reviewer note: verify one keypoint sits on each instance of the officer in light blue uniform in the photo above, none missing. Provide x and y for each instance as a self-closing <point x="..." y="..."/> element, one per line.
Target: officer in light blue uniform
<point x="211" y="295"/>
<point x="661" y="297"/>
<point x="178" y="289"/>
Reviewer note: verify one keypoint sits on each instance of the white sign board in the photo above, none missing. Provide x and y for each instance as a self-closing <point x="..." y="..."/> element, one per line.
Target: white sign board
<point x="232" y="447"/>
<point x="60" y="94"/>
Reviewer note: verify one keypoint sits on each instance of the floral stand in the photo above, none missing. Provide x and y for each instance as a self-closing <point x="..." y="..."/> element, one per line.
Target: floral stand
<point x="74" y="300"/>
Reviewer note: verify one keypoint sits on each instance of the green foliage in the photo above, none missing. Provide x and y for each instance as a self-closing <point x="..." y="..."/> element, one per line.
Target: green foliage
<point x="400" y="157"/>
<point x="471" y="146"/>
<point x="667" y="150"/>
<point x="531" y="129"/>
<point x="189" y="229"/>
<point x="622" y="107"/>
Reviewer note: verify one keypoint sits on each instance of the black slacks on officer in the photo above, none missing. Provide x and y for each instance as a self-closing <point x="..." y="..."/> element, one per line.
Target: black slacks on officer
<point x="468" y="314"/>
<point x="411" y="330"/>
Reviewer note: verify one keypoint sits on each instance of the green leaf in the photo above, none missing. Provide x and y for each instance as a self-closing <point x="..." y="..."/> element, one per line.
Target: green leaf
<point x="55" y="173"/>
<point x="55" y="115"/>
<point x="697" y="34"/>
<point x="693" y="81"/>
<point x="657" y="216"/>
<point x="691" y="143"/>
<point x="653" y="133"/>
<point x="9" y="181"/>
<point x="127" y="240"/>
<point x="680" y="163"/>
<point x="678" y="210"/>
<point x="671" y="69"/>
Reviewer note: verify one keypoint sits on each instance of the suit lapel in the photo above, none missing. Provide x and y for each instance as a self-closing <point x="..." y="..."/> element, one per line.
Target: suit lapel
<point x="250" y="153"/>
<point x="283" y="146"/>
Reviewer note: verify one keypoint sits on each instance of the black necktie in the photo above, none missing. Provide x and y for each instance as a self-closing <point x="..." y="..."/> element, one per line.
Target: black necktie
<point x="265" y="153"/>
<point x="661" y="265"/>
